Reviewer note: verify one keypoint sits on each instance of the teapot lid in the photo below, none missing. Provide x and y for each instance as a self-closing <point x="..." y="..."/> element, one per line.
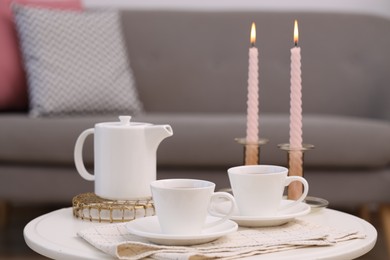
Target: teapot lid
<point x="124" y="122"/>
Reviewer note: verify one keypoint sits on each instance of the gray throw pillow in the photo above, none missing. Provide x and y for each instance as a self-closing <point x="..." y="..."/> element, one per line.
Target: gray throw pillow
<point x="76" y="62"/>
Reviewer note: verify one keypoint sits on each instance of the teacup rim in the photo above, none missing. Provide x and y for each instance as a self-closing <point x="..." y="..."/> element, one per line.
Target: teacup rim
<point x="233" y="170"/>
<point x="156" y="182"/>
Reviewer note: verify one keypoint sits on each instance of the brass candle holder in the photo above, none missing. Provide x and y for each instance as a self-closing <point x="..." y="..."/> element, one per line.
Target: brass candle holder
<point x="251" y="155"/>
<point x="295" y="164"/>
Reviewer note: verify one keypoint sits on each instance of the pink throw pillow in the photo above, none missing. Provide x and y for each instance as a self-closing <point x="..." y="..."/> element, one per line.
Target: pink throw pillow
<point x="13" y="84"/>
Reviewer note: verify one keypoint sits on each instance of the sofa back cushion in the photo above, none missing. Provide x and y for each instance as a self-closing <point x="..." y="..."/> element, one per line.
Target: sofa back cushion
<point x="197" y="61"/>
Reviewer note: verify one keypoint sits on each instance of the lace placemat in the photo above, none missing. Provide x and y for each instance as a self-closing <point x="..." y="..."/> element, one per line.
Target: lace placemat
<point x="115" y="240"/>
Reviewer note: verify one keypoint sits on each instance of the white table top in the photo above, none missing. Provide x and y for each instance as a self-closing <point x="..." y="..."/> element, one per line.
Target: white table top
<point x="55" y="235"/>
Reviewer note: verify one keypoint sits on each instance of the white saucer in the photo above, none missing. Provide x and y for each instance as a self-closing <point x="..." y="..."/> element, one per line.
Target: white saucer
<point x="280" y="218"/>
<point x="149" y="228"/>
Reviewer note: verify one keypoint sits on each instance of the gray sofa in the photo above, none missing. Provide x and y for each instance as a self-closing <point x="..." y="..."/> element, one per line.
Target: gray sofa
<point x="191" y="66"/>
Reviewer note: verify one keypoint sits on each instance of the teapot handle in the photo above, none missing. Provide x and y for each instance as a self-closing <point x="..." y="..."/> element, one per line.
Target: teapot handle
<point x="78" y="155"/>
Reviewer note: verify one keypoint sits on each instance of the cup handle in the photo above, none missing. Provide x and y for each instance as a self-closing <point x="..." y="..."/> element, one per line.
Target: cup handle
<point x="78" y="155"/>
<point x="291" y="179"/>
<point x="224" y="217"/>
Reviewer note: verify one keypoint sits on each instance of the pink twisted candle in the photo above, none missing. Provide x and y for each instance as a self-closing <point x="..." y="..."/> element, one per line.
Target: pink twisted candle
<point x="252" y="129"/>
<point x="296" y="94"/>
<point x="295" y="159"/>
<point x="296" y="100"/>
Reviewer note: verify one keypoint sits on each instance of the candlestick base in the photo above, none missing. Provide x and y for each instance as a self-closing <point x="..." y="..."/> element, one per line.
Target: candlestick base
<point x="295" y="166"/>
<point x="286" y="147"/>
<point x="251" y="150"/>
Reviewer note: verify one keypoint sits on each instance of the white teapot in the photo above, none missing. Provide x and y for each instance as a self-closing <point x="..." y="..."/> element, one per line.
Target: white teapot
<point x="124" y="157"/>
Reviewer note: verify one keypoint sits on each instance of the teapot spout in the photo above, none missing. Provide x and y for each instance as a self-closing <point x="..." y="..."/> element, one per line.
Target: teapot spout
<point x="157" y="133"/>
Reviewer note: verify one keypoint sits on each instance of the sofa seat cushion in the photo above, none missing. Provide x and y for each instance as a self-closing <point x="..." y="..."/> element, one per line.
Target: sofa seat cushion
<point x="208" y="140"/>
<point x="203" y="140"/>
<point x="43" y="141"/>
<point x="347" y="142"/>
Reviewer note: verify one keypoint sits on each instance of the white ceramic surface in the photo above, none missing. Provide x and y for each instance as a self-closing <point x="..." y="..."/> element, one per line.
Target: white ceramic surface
<point x="182" y="205"/>
<point x="258" y="189"/>
<point x="124" y="157"/>
<point x="281" y="217"/>
<point x="149" y="228"/>
<point x="54" y="235"/>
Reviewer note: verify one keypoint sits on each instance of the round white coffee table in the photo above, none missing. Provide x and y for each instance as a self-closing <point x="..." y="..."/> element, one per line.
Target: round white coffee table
<point x="55" y="235"/>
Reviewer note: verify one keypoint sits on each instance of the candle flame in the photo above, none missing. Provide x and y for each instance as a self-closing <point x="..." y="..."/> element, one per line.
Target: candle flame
<point x="253" y="34"/>
<point x="296" y="34"/>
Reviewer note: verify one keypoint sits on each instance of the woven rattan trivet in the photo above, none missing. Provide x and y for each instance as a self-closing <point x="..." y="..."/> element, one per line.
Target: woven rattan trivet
<point x="88" y="206"/>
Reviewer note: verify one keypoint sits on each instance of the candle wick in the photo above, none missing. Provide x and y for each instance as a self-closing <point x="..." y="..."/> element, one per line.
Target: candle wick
<point x="252" y="44"/>
<point x="296" y="44"/>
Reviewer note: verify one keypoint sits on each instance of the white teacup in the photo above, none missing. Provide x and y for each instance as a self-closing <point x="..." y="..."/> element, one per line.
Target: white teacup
<point x="182" y="205"/>
<point x="258" y="189"/>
